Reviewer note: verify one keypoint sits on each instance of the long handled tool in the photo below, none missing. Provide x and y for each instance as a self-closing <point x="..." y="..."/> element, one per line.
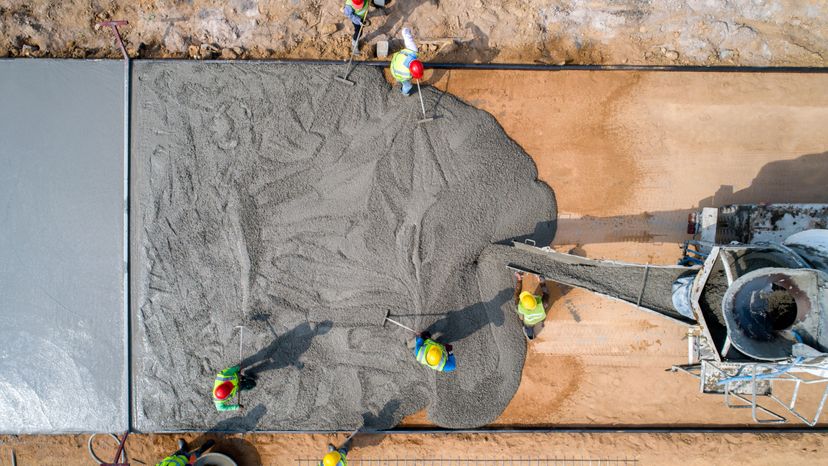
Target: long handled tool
<point x="348" y="439"/>
<point x="354" y="52"/>
<point x="241" y="342"/>
<point x="401" y="325"/>
<point x="422" y="105"/>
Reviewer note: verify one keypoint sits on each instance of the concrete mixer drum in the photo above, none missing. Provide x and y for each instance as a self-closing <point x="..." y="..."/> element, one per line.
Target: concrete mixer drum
<point x="768" y="310"/>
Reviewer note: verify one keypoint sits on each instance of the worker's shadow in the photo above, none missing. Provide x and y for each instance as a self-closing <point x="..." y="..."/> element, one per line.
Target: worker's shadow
<point x="386" y="418"/>
<point x="457" y="325"/>
<point x="241" y="450"/>
<point x="395" y="13"/>
<point x="286" y="349"/>
<point x="477" y="49"/>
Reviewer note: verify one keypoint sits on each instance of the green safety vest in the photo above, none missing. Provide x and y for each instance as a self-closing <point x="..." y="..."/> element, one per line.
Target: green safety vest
<point x="231" y="374"/>
<point x="361" y="12"/>
<point x="399" y="67"/>
<point x="175" y="460"/>
<point x="532" y="316"/>
<point x="428" y="344"/>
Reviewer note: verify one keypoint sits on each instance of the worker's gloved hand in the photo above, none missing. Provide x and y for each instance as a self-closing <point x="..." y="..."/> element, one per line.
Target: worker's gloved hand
<point x="449" y="347"/>
<point x="425" y="335"/>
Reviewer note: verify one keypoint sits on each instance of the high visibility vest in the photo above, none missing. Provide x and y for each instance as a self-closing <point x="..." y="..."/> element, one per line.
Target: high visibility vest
<point x="400" y="62"/>
<point x="359" y="12"/>
<point x="532" y="316"/>
<point x="231" y="374"/>
<point x="428" y="344"/>
<point x="174" y="460"/>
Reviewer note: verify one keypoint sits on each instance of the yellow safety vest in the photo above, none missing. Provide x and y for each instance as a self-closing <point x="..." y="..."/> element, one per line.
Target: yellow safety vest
<point x="231" y="374"/>
<point x="400" y="62"/>
<point x="532" y="316"/>
<point x="428" y="344"/>
<point x="175" y="460"/>
<point x="361" y="12"/>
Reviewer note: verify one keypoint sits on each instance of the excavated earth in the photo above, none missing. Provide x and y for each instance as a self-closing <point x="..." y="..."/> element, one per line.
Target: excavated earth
<point x="277" y="198"/>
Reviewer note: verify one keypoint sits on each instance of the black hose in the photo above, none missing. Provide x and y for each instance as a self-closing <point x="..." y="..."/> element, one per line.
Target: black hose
<point x="544" y="67"/>
<point x="95" y="457"/>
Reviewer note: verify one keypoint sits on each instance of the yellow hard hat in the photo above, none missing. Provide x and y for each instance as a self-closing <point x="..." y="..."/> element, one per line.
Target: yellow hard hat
<point x="528" y="300"/>
<point x="434" y="356"/>
<point x="332" y="458"/>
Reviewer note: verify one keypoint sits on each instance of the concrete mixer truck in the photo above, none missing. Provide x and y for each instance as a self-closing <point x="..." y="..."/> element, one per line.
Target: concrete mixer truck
<point x="752" y="290"/>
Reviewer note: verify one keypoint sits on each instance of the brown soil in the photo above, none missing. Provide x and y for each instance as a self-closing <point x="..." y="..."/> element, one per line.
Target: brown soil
<point x="272" y="450"/>
<point x="783" y="32"/>
<point x="629" y="155"/>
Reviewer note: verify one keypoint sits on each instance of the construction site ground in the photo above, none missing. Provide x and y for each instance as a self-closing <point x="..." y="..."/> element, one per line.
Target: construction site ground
<point x="629" y="155"/>
<point x="668" y="32"/>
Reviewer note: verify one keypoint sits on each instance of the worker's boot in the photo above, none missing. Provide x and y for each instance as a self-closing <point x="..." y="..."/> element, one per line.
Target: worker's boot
<point x="247" y="382"/>
<point x="355" y="47"/>
<point x="529" y="332"/>
<point x="182" y="447"/>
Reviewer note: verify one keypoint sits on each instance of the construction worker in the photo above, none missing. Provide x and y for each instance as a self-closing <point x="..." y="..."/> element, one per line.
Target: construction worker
<point x="434" y="355"/>
<point x="357" y="12"/>
<point x="404" y="64"/>
<point x="227" y="385"/>
<point x="532" y="300"/>
<point x="182" y="458"/>
<point x="335" y="456"/>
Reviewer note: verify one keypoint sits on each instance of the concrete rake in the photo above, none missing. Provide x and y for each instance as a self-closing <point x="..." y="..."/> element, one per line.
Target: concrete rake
<point x="422" y="106"/>
<point x="354" y="52"/>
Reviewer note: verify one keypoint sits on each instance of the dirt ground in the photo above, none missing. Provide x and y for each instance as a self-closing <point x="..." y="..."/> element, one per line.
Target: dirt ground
<point x="272" y="450"/>
<point x="629" y="155"/>
<point x="674" y="32"/>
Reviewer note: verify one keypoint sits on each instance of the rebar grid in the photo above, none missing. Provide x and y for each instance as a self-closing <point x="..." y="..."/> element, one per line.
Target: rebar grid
<point x="564" y="461"/>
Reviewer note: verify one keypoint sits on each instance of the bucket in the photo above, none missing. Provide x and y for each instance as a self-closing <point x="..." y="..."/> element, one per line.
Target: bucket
<point x="214" y="459"/>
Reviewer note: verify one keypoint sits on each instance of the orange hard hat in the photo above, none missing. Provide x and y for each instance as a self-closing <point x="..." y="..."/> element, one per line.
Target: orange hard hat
<point x="416" y="68"/>
<point x="224" y="390"/>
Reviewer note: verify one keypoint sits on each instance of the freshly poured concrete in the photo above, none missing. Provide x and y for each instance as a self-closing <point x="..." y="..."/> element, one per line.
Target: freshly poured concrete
<point x="62" y="361"/>
<point x="274" y="197"/>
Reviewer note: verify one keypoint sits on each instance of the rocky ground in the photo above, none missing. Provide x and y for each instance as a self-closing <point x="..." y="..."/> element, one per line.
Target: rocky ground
<point x="675" y="32"/>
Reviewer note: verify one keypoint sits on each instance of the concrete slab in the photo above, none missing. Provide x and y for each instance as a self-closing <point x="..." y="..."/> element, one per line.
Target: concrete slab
<point x="268" y="195"/>
<point x="62" y="362"/>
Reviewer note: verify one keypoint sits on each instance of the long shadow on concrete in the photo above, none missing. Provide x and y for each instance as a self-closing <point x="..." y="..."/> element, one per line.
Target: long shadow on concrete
<point x="385" y="419"/>
<point x="286" y="349"/>
<point x="457" y="325"/>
